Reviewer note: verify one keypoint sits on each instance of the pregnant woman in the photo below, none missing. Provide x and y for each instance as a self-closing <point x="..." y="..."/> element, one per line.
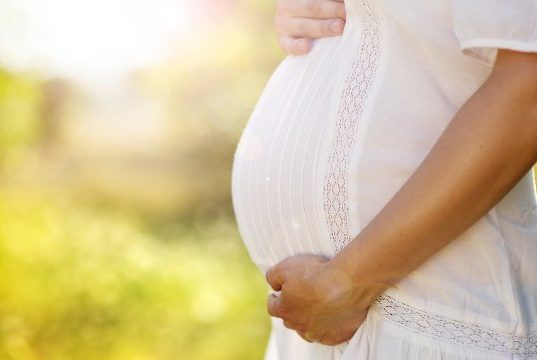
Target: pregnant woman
<point x="383" y="184"/>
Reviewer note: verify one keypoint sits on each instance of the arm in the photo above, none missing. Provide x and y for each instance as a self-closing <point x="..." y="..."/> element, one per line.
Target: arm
<point x="484" y="151"/>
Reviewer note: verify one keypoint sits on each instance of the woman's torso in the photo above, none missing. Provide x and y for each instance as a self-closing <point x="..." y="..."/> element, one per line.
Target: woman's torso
<point x="335" y="135"/>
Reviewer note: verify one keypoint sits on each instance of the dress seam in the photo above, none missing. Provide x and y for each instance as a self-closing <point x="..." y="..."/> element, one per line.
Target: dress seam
<point x="350" y="112"/>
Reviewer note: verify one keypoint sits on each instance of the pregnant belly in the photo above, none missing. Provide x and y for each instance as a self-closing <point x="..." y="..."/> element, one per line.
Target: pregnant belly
<point x="278" y="166"/>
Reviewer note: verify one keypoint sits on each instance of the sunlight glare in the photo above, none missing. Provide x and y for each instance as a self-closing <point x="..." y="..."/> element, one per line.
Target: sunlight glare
<point x="91" y="38"/>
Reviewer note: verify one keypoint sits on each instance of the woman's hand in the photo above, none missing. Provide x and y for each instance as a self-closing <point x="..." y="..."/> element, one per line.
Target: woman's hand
<point x="297" y="22"/>
<point x="316" y="299"/>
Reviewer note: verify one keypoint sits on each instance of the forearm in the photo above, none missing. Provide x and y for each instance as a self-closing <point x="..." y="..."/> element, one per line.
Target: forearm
<point x="484" y="151"/>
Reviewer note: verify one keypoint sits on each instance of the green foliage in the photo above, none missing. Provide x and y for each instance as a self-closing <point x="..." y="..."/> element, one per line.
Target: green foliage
<point x="88" y="282"/>
<point x="19" y="112"/>
<point x="83" y="283"/>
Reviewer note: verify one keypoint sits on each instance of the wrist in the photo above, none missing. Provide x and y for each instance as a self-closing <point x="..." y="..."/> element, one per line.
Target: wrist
<point x="340" y="281"/>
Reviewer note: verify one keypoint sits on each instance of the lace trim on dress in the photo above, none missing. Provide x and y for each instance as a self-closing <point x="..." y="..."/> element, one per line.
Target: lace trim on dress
<point x="455" y="331"/>
<point x="354" y="96"/>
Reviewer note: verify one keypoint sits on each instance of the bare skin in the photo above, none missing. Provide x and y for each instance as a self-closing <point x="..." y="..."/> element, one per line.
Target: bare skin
<point x="297" y="22"/>
<point x="485" y="150"/>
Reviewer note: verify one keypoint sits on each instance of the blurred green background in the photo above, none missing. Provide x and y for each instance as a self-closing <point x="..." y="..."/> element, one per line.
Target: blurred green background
<point x="117" y="235"/>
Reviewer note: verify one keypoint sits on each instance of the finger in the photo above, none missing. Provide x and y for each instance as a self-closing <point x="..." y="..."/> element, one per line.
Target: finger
<point x="274" y="306"/>
<point x="316" y="9"/>
<point x="310" y="28"/>
<point x="275" y="277"/>
<point x="292" y="324"/>
<point x="288" y="324"/>
<point x="294" y="46"/>
<point x="304" y="336"/>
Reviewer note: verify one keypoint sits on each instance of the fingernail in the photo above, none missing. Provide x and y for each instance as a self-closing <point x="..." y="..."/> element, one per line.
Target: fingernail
<point x="302" y="45"/>
<point x="335" y="26"/>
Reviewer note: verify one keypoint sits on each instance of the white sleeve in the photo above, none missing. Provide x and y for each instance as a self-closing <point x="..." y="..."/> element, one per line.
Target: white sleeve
<point x="483" y="26"/>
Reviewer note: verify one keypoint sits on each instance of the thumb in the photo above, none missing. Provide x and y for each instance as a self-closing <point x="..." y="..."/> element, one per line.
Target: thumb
<point x="274" y="305"/>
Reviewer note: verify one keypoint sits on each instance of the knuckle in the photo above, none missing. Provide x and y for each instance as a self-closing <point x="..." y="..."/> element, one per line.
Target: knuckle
<point x="288" y="324"/>
<point x="303" y="335"/>
<point x="308" y="336"/>
<point x="285" y="263"/>
<point x="330" y="340"/>
<point x="327" y="341"/>
<point x="299" y="327"/>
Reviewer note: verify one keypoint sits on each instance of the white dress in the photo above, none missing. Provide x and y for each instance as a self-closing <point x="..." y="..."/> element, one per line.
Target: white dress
<point x="335" y="135"/>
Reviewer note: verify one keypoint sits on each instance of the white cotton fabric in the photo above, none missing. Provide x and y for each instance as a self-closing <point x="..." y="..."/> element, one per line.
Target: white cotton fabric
<point x="483" y="26"/>
<point x="337" y="132"/>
